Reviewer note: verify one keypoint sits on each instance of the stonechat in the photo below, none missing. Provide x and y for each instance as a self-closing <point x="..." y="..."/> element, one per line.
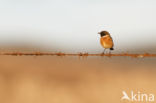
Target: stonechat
<point x="106" y="41"/>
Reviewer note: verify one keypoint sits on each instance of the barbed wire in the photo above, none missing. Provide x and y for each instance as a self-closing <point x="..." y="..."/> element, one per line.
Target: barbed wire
<point x="77" y="54"/>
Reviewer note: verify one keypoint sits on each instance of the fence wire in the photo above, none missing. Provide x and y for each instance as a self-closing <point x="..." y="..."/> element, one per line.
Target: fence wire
<point x="77" y="54"/>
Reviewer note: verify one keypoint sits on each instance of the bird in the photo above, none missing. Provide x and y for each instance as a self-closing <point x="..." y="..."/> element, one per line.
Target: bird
<point x="106" y="41"/>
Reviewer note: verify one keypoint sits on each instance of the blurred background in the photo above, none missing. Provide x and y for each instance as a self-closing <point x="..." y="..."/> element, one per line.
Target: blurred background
<point x="50" y="79"/>
<point x="72" y="25"/>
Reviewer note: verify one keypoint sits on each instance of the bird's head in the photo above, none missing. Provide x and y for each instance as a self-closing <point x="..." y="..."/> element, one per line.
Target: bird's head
<point x="103" y="33"/>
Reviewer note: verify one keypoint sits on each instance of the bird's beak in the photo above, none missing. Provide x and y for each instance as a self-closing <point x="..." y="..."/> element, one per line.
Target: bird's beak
<point x="98" y="32"/>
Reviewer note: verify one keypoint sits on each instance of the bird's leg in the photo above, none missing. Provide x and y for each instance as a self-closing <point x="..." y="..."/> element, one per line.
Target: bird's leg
<point x="104" y="51"/>
<point x="109" y="52"/>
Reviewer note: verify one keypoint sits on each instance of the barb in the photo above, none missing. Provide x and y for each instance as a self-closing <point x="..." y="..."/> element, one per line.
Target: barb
<point x="77" y="54"/>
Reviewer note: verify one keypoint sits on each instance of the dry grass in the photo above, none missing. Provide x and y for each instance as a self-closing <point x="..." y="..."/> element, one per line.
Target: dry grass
<point x="67" y="79"/>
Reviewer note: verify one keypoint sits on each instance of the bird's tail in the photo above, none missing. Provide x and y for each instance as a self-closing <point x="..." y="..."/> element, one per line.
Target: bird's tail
<point x="111" y="48"/>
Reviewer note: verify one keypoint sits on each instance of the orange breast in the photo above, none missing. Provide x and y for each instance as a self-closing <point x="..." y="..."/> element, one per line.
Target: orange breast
<point x="106" y="41"/>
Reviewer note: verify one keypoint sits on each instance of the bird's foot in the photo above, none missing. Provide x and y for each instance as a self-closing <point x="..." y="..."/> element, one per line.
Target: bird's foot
<point x="102" y="54"/>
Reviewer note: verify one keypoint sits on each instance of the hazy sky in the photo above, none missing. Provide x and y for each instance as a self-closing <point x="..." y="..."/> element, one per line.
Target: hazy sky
<point x="72" y="25"/>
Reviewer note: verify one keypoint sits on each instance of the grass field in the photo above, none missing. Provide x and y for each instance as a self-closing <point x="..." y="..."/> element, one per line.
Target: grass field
<point x="54" y="79"/>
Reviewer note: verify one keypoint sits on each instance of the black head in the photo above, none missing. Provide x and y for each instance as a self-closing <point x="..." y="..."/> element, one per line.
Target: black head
<point x="104" y="33"/>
